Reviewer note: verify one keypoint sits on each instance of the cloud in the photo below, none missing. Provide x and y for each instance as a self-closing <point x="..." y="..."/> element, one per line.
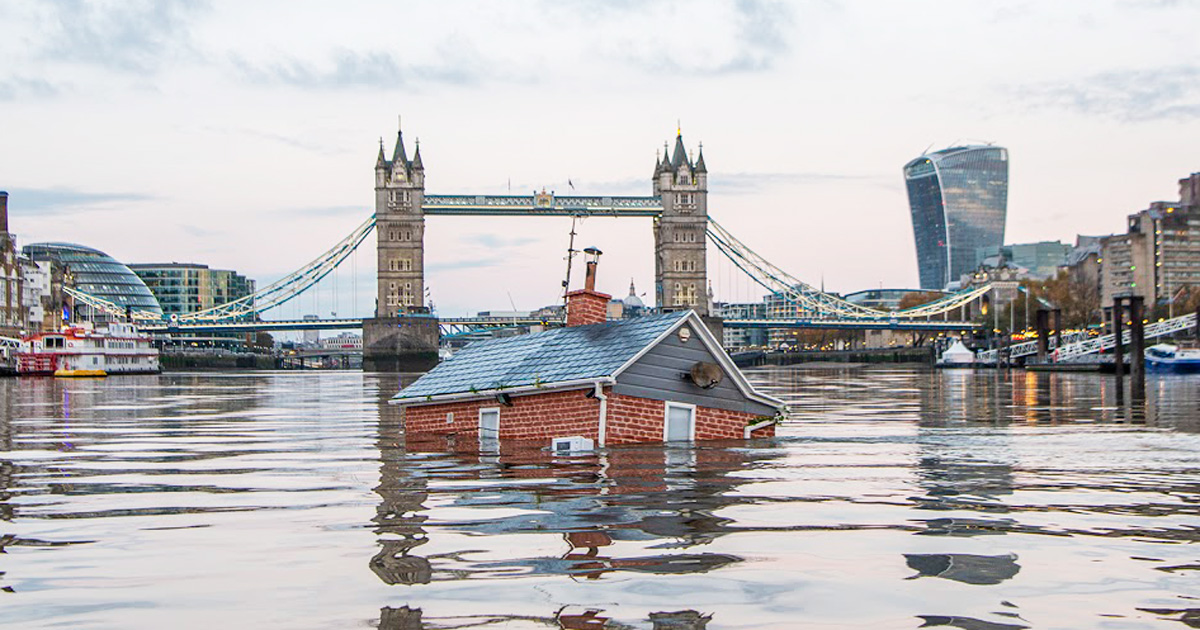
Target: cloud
<point x="328" y="211"/>
<point x="746" y="183"/>
<point x="457" y="65"/>
<point x="491" y="241"/>
<point x="1125" y="95"/>
<point x="752" y="37"/>
<point x="459" y="265"/>
<point x="19" y="87"/>
<point x="61" y="201"/>
<point x="294" y="141"/>
<point x="1160" y="4"/>
<point x="130" y="35"/>
<point x="761" y="35"/>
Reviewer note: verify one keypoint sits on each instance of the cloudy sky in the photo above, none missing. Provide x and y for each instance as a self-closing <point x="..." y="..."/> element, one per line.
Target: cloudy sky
<point x="243" y="134"/>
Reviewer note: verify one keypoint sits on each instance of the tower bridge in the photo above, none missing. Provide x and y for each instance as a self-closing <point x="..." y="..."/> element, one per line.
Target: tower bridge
<point x="403" y="335"/>
<point x="678" y="207"/>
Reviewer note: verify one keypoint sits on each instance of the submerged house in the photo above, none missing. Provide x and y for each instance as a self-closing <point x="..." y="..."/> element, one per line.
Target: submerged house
<point x="647" y="379"/>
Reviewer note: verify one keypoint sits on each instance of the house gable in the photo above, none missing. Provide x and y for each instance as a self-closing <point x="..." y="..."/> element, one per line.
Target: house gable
<point x="659" y="374"/>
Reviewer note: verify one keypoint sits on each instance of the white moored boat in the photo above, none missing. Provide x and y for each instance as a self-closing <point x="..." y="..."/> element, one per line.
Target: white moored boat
<point x="81" y="350"/>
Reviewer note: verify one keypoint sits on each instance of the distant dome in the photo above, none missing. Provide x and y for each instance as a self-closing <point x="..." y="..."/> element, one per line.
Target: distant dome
<point x="632" y="300"/>
<point x="98" y="274"/>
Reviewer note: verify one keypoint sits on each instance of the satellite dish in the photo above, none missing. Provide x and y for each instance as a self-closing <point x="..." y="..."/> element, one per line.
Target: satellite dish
<point x="706" y="375"/>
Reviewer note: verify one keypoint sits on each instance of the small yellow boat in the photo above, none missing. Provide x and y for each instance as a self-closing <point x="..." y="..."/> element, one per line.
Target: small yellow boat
<point x="80" y="373"/>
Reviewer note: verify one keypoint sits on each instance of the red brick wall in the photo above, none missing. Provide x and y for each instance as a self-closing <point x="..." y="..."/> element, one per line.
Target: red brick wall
<point x="562" y="414"/>
<point x="532" y="417"/>
<point x="587" y="307"/>
<point x="633" y="419"/>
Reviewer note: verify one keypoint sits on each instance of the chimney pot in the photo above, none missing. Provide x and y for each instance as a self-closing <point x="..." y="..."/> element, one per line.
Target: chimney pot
<point x="588" y="306"/>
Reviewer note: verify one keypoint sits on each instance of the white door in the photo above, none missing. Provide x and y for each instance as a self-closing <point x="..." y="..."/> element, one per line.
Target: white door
<point x="679" y="425"/>
<point x="489" y="429"/>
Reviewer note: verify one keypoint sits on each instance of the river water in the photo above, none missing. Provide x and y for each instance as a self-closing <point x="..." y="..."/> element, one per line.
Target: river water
<point x="892" y="498"/>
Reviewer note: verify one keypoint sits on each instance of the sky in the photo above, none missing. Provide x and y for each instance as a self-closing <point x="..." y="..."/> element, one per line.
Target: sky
<point x="243" y="135"/>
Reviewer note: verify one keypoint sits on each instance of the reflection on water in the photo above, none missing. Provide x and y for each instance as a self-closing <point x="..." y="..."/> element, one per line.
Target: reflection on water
<point x="892" y="498"/>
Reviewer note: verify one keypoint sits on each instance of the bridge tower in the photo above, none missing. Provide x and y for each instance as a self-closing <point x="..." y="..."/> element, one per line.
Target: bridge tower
<point x="680" y="269"/>
<point x="400" y="230"/>
<point x="403" y="336"/>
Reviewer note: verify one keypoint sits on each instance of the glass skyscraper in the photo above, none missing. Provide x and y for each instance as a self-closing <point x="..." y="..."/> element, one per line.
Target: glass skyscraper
<point x="959" y="200"/>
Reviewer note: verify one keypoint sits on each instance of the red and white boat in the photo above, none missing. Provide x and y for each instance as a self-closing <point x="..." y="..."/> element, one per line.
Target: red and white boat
<point x="81" y="350"/>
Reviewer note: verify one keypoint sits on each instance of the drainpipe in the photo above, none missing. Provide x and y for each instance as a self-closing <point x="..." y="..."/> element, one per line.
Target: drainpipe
<point x="602" y="431"/>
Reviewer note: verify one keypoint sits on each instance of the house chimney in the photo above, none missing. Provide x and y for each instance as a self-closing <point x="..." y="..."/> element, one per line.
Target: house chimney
<point x="588" y="306"/>
<point x="3" y="212"/>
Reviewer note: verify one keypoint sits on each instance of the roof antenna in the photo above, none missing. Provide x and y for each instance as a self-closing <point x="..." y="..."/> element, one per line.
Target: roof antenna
<point x="571" y="251"/>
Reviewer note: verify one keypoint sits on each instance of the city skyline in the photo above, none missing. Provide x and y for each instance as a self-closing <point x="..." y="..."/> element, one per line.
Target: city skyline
<point x="244" y="137"/>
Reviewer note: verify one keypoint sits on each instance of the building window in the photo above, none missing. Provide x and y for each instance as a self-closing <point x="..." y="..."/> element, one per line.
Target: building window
<point x="489" y="429"/>
<point x="679" y="422"/>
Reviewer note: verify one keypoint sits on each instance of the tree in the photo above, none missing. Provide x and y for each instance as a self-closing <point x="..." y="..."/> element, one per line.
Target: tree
<point x="1079" y="301"/>
<point x="264" y="342"/>
<point x="913" y="300"/>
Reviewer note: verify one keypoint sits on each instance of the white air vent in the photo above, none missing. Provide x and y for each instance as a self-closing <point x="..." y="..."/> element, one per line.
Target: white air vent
<point x="569" y="445"/>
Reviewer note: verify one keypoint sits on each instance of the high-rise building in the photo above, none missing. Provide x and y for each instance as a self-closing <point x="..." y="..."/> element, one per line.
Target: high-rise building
<point x="1158" y="256"/>
<point x="1040" y="261"/>
<point x="959" y="201"/>
<point x="183" y="288"/>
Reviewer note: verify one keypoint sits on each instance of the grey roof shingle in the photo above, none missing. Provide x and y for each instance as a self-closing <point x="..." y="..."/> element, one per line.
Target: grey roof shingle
<point x="554" y="356"/>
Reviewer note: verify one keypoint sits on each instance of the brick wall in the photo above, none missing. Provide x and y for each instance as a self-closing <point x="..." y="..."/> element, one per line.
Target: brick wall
<point x="587" y="307"/>
<point x="633" y="419"/>
<point x="561" y="414"/>
<point x="533" y="417"/>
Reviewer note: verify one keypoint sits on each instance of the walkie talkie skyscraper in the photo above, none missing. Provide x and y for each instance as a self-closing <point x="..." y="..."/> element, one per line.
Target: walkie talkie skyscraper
<point x="959" y="201"/>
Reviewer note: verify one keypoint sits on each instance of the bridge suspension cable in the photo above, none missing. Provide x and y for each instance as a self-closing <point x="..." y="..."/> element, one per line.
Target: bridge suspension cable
<point x="288" y="287"/>
<point x="112" y="308"/>
<point x="816" y="303"/>
<point x="264" y="299"/>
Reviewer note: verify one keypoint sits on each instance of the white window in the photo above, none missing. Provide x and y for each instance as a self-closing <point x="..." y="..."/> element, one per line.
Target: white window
<point x="679" y="422"/>
<point x="489" y="429"/>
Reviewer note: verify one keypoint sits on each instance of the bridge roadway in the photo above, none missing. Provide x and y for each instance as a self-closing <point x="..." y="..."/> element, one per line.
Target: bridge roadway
<point x="542" y="204"/>
<point x="465" y="323"/>
<point x="852" y="324"/>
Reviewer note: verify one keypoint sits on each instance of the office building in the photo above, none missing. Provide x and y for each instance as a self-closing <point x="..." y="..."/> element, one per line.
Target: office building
<point x="183" y="288"/>
<point x="1040" y="261"/>
<point x="959" y="201"/>
<point x="42" y="294"/>
<point x="1158" y="257"/>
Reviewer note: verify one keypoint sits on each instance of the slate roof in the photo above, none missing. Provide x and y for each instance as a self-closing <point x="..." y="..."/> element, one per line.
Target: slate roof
<point x="554" y="356"/>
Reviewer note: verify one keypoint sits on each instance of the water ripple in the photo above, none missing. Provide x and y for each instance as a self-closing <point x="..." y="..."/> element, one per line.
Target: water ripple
<point x="893" y="497"/>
